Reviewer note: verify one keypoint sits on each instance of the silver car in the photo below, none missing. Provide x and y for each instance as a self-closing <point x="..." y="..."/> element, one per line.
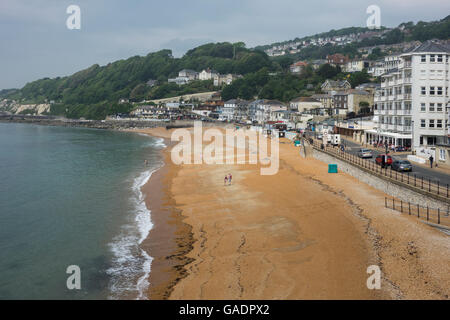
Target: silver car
<point x="365" y="153"/>
<point x="402" y="165"/>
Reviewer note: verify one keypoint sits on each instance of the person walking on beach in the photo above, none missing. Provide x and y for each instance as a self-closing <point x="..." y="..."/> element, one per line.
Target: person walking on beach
<point x="146" y="162"/>
<point x="230" y="177"/>
<point x="431" y="161"/>
<point x="225" y="180"/>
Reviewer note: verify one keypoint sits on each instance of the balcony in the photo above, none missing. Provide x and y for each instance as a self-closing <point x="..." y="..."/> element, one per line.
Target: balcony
<point x="405" y="64"/>
<point x="407" y="96"/>
<point x="379" y="112"/>
<point x="404" y="128"/>
<point x="380" y="98"/>
<point x="392" y="127"/>
<point x="404" y="112"/>
<point x="392" y="112"/>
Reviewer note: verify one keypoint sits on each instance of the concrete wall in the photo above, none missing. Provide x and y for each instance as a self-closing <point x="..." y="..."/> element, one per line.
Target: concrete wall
<point x="390" y="188"/>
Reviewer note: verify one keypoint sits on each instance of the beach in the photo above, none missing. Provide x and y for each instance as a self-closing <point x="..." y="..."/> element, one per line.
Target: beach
<point x="299" y="234"/>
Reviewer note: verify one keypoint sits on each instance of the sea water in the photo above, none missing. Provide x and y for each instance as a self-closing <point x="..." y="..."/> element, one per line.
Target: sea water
<point x="72" y="196"/>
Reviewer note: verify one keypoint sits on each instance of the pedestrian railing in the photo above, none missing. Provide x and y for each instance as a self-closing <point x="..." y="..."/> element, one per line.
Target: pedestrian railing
<point x="433" y="215"/>
<point x="409" y="179"/>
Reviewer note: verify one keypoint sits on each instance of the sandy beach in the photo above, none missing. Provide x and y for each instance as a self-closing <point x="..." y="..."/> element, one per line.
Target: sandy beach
<point x="299" y="234"/>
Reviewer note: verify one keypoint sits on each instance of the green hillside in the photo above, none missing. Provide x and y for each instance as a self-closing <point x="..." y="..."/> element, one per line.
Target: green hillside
<point x="95" y="92"/>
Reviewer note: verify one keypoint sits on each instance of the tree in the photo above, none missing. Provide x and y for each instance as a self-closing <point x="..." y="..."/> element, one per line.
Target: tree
<point x="139" y="92"/>
<point x="327" y="71"/>
<point x="357" y="78"/>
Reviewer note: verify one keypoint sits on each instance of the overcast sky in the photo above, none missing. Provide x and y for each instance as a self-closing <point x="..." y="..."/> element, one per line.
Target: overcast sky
<point x="36" y="43"/>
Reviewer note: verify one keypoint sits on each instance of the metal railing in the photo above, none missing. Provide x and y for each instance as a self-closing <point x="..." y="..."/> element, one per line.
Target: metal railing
<point x="408" y="179"/>
<point x="434" y="215"/>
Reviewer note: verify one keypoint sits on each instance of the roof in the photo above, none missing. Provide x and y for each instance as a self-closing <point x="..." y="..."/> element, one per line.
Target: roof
<point x="210" y="70"/>
<point x="236" y="101"/>
<point x="321" y="96"/>
<point x="299" y="63"/>
<point x="369" y="85"/>
<point x="334" y="83"/>
<point x="188" y="71"/>
<point x="276" y="102"/>
<point x="341" y="93"/>
<point x="305" y="99"/>
<point x="430" y="46"/>
<point x="360" y="92"/>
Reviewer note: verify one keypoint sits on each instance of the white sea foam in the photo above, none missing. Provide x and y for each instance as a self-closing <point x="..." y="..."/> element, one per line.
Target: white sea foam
<point x="159" y="143"/>
<point x="129" y="260"/>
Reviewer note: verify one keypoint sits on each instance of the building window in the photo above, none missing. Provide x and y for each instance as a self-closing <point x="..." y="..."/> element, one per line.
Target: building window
<point x="442" y="155"/>
<point x="431" y="141"/>
<point x="423" y="74"/>
<point x="423" y="91"/>
<point x="432" y="59"/>
<point x="432" y="74"/>
<point x="439" y="58"/>
<point x="431" y="123"/>
<point x="431" y="109"/>
<point x="422" y="123"/>
<point x="432" y="91"/>
<point x="439" y="124"/>
<point x="439" y="107"/>
<point x="423" y="58"/>
<point x="423" y="107"/>
<point x="439" y="91"/>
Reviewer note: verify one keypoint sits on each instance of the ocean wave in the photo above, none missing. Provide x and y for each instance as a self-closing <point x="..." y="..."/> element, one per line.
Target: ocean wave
<point x="129" y="260"/>
<point x="159" y="143"/>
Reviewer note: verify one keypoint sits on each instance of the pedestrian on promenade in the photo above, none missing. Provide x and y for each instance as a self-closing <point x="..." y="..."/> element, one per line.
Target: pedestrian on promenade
<point x="225" y="180"/>
<point x="431" y="161"/>
<point x="230" y="177"/>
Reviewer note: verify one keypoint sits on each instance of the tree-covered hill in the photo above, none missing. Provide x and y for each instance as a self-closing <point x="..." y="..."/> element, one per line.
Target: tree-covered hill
<point x="95" y="91"/>
<point x="409" y="31"/>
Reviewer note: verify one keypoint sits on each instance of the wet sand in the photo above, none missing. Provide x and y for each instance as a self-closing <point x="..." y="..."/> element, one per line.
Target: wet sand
<point x="300" y="234"/>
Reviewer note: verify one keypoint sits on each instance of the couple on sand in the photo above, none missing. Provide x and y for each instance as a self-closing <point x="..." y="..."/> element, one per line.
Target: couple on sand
<point x="228" y="179"/>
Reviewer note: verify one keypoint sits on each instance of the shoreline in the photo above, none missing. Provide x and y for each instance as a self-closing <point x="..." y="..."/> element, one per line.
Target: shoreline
<point x="302" y="234"/>
<point x="171" y="238"/>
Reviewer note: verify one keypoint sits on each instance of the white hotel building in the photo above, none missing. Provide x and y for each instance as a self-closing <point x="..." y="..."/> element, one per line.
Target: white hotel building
<point x="410" y="107"/>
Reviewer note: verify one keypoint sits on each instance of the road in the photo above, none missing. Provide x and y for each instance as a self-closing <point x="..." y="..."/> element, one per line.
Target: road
<point x="426" y="173"/>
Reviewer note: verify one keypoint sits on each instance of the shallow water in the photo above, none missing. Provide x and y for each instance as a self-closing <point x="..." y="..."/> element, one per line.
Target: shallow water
<point x="71" y="196"/>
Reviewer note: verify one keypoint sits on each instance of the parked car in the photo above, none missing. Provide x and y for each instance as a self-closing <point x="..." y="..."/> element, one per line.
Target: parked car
<point x="401" y="165"/>
<point x="365" y="153"/>
<point x="402" y="149"/>
<point x="379" y="160"/>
